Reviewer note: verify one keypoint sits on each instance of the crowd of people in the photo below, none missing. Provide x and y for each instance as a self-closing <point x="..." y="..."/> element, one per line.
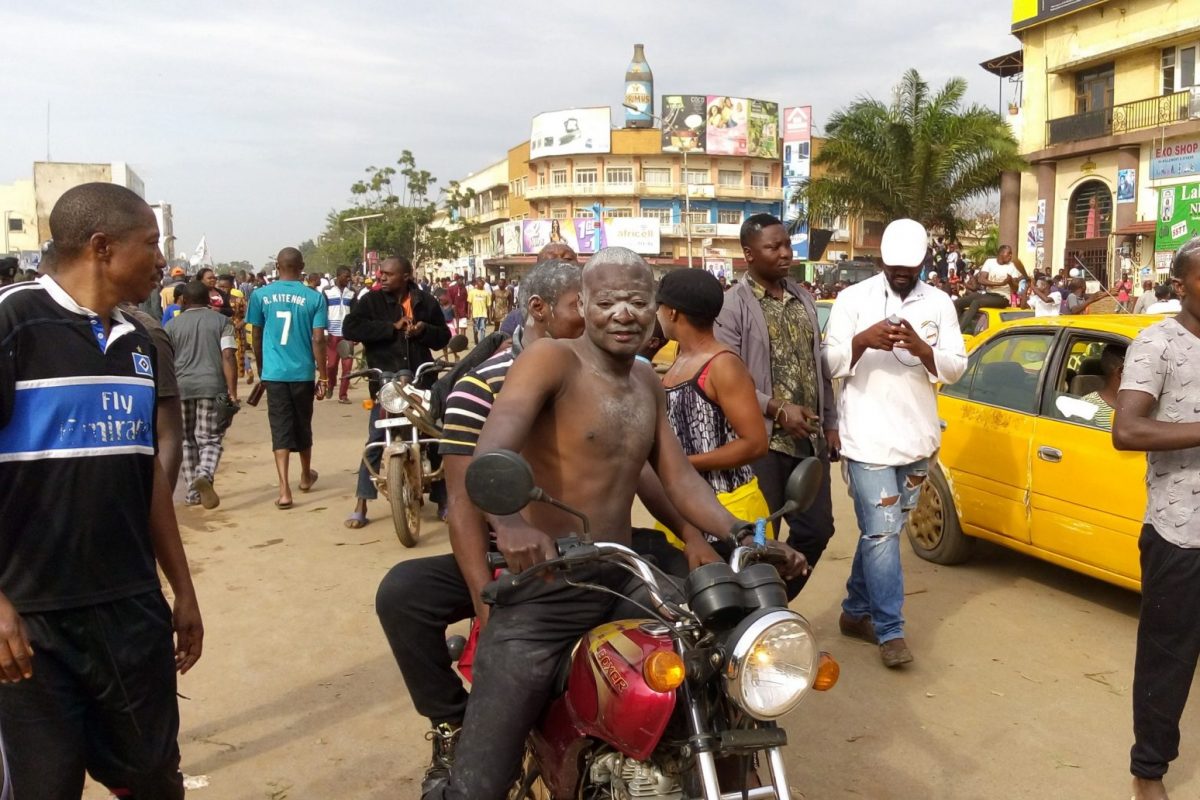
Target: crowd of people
<point x="98" y="394"/>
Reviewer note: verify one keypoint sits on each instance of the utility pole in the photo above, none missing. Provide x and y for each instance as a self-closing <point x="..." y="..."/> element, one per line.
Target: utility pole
<point x="687" y="200"/>
<point x="364" y="220"/>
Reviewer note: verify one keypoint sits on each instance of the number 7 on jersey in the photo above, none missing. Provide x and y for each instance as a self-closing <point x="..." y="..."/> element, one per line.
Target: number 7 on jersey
<point x="286" y="316"/>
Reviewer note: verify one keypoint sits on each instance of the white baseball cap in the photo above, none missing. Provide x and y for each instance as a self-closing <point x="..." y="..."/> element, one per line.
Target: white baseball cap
<point x="904" y="243"/>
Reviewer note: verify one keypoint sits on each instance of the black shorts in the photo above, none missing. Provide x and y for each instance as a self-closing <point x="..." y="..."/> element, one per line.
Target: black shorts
<point x="290" y="410"/>
<point x="101" y="700"/>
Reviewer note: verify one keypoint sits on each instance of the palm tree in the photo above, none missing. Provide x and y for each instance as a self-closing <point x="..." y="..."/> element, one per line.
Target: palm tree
<point x="921" y="157"/>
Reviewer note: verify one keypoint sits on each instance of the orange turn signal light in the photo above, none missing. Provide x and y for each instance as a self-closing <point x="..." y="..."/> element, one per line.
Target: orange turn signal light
<point x="368" y="404"/>
<point x="664" y="671"/>
<point x="828" y="672"/>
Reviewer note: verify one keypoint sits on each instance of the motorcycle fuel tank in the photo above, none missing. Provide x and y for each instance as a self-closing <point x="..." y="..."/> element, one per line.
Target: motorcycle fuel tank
<point x="607" y="693"/>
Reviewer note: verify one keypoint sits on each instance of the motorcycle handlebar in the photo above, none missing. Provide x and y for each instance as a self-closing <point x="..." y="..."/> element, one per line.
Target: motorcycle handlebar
<point x="438" y="364"/>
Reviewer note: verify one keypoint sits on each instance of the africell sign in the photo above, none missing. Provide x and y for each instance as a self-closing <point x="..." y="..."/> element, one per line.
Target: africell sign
<point x="1176" y="159"/>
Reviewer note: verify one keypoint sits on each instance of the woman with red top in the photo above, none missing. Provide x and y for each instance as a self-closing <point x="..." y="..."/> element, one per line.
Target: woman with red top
<point x="711" y="400"/>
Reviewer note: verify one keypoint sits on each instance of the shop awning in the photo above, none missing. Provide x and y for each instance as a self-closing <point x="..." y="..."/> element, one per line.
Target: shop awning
<point x="1007" y="65"/>
<point x="1137" y="229"/>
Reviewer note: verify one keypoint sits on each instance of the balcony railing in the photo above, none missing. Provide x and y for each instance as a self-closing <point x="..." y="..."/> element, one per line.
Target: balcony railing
<point x="1151" y="112"/>
<point x="643" y="189"/>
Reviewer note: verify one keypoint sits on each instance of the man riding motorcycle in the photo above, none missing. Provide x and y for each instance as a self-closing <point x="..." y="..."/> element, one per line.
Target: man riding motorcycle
<point x="398" y="326"/>
<point x="419" y="598"/>
<point x="587" y="417"/>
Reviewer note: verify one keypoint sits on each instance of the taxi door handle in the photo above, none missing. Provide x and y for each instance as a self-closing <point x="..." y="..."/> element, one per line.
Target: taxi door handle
<point x="1051" y="454"/>
<point x="942" y="424"/>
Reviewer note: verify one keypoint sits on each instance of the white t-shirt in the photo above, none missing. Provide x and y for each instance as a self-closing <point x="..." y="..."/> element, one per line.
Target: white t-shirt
<point x="1165" y="307"/>
<point x="1042" y="308"/>
<point x="995" y="271"/>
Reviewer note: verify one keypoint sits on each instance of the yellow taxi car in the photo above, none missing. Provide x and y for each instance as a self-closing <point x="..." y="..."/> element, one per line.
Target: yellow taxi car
<point x="989" y="318"/>
<point x="1024" y="464"/>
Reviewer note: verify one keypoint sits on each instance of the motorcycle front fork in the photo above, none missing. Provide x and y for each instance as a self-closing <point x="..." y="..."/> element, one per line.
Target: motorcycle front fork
<point x="701" y="741"/>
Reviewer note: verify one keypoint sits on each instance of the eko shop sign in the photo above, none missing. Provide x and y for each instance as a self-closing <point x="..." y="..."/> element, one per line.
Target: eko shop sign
<point x="1175" y="159"/>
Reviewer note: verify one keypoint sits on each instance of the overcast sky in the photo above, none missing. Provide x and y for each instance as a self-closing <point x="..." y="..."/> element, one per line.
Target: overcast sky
<point x="254" y="123"/>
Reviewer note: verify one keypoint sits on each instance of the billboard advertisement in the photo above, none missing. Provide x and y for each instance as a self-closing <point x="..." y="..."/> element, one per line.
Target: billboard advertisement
<point x="797" y="163"/>
<point x="727" y="127"/>
<point x="683" y="117"/>
<point x="575" y="131"/>
<point x="585" y="235"/>
<point x="1178" y="215"/>
<point x="763" y="123"/>
<point x="1034" y="12"/>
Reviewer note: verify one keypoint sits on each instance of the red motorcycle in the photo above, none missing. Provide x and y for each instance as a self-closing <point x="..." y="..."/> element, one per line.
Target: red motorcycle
<point x="683" y="703"/>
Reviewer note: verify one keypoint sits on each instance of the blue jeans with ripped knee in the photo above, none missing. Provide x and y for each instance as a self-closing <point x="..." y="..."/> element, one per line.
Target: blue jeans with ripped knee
<point x="883" y="496"/>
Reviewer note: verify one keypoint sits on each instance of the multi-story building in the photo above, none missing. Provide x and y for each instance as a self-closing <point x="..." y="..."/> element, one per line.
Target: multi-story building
<point x="19" y="210"/>
<point x="711" y="196"/>
<point x="487" y="192"/>
<point x="1108" y="118"/>
<point x="26" y="204"/>
<point x="698" y="198"/>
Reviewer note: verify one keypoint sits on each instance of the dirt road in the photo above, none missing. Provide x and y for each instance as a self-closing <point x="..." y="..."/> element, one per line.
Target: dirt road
<point x="1020" y="687"/>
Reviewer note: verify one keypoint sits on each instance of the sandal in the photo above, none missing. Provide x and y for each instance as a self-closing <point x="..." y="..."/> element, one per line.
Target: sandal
<point x="312" y="473"/>
<point x="283" y="506"/>
<point x="356" y="520"/>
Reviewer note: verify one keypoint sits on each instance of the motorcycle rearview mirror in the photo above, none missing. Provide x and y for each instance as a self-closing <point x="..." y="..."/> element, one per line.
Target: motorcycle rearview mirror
<point x="457" y="343"/>
<point x="802" y="486"/>
<point x="500" y="483"/>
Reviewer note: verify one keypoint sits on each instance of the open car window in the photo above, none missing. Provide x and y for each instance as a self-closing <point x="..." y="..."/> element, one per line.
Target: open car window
<point x="1074" y="394"/>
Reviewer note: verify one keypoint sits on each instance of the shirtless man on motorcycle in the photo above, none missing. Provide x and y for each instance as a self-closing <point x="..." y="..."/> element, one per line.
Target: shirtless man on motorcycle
<point x="586" y="416"/>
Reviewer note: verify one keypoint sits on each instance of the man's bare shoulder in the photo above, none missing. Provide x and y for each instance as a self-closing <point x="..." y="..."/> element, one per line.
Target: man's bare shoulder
<point x="548" y="350"/>
<point x="646" y="374"/>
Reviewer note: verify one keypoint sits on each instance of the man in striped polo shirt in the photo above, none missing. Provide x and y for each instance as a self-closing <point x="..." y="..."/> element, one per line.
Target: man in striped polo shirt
<point x="87" y="661"/>
<point x="419" y="598"/>
<point x="338" y="299"/>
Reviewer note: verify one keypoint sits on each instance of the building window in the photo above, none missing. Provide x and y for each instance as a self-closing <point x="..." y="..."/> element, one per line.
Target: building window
<point x="584" y="213"/>
<point x="558" y="213"/>
<point x="558" y="177"/>
<point x="16" y="225"/>
<point x="612" y="213"/>
<point x="663" y="215"/>
<point x="587" y="176"/>
<point x="727" y="217"/>
<point x="729" y="177"/>
<point x="517" y="188"/>
<point x="1094" y="89"/>
<point x="760" y="180"/>
<point x="656" y="176"/>
<point x="871" y="233"/>
<point x="618" y="175"/>
<point x="697" y="217"/>
<point x="1178" y="68"/>
<point x="696" y="177"/>
<point x="1090" y="212"/>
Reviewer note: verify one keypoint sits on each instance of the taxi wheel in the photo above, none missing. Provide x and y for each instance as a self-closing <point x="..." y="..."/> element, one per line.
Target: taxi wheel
<point x="933" y="529"/>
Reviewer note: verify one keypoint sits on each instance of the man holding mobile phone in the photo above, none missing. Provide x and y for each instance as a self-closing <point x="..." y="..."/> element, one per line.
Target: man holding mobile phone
<point x="892" y="339"/>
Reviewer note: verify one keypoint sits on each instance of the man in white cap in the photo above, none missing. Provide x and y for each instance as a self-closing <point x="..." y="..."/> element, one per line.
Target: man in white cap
<point x="892" y="339"/>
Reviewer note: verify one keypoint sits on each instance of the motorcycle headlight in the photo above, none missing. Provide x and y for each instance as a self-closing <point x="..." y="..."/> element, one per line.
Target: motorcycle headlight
<point x="391" y="398"/>
<point x="773" y="659"/>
